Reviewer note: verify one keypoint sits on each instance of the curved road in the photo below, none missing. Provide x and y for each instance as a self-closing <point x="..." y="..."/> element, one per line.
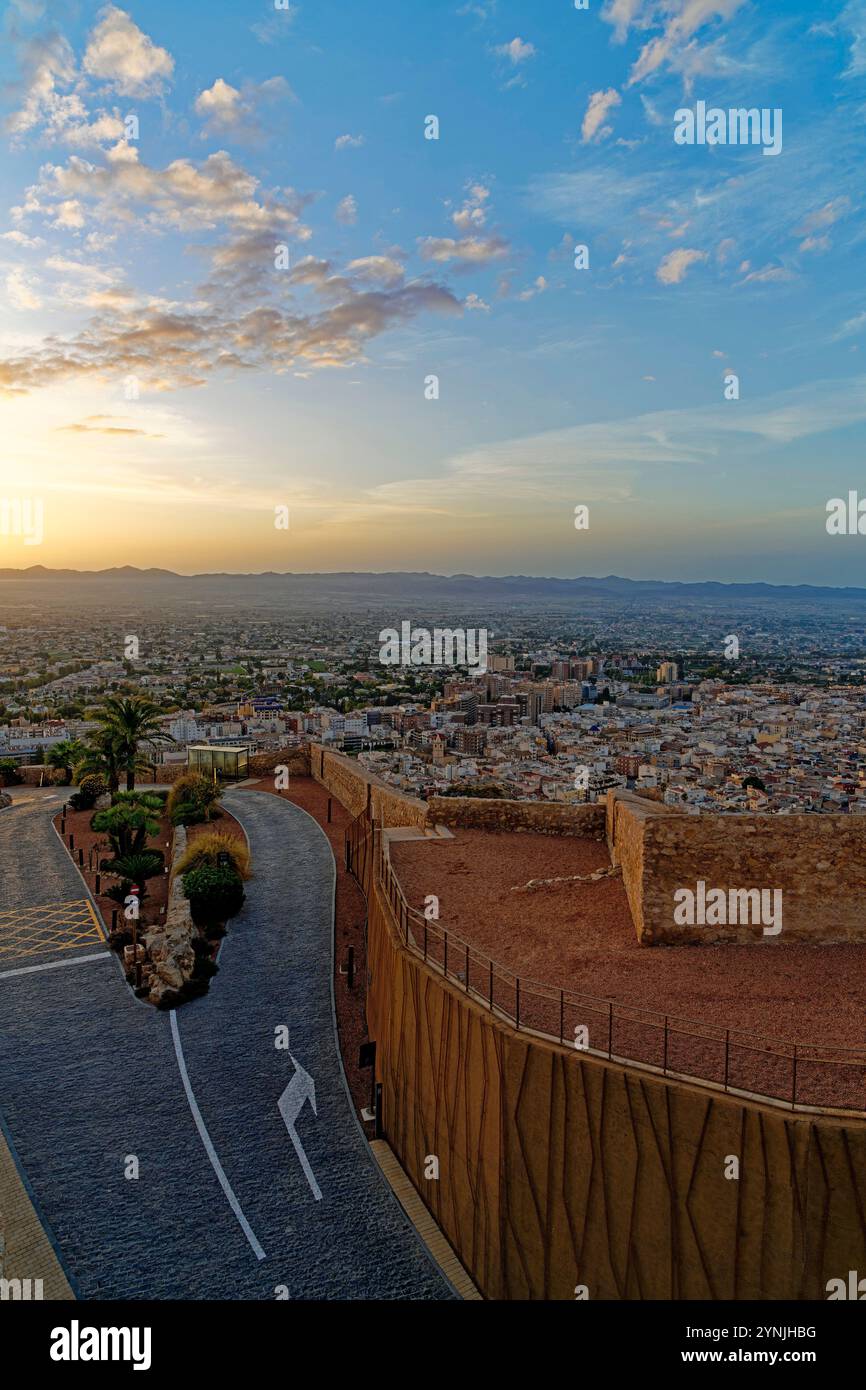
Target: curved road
<point x="222" y="1206"/>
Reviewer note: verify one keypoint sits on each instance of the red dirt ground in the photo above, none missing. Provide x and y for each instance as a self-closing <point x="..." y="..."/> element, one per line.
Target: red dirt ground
<point x="580" y="938"/>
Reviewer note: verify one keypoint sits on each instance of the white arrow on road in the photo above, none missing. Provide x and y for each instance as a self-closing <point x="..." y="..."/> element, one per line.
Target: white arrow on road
<point x="300" y="1089"/>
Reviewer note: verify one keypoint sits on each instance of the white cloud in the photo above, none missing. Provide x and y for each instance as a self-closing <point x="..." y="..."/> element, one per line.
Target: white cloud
<point x="621" y="14"/>
<point x="600" y="103"/>
<point x="476" y="250"/>
<point x="227" y="111"/>
<point x="348" y="142"/>
<point x="474" y="301"/>
<point x="347" y="211"/>
<point x="679" y="21"/>
<point x="123" y="57"/>
<point x="378" y="269"/>
<point x="853" y="20"/>
<point x="538" y="286"/>
<point x="675" y="264"/>
<point x="517" y="51"/>
<point x="21" y="292"/>
<point x="473" y="213"/>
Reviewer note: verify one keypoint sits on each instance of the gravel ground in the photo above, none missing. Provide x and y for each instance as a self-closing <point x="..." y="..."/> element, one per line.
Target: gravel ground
<point x="580" y="938"/>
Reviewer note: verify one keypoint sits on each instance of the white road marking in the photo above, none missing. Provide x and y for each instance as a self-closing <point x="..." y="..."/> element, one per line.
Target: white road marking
<point x="209" y="1148"/>
<point x="300" y="1089"/>
<point x="53" y="965"/>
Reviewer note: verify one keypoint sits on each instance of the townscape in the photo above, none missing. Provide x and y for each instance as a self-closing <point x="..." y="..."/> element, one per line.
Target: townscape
<point x="565" y="710"/>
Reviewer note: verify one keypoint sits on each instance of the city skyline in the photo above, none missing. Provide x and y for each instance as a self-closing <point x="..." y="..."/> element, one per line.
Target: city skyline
<point x="147" y="251"/>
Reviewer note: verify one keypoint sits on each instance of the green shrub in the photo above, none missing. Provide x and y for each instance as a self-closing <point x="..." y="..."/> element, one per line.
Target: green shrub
<point x="206" y="849"/>
<point x="193" y="799"/>
<point x="214" y="894"/>
<point x="90" y="789"/>
<point x="137" y="867"/>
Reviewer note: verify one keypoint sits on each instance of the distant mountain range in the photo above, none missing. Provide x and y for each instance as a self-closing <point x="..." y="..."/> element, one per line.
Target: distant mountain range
<point x="362" y="586"/>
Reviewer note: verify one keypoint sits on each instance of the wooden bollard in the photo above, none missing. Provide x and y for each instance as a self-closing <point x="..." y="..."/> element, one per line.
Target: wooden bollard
<point x="330" y="804"/>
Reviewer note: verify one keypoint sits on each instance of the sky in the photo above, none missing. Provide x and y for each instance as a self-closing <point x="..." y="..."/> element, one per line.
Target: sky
<point x="232" y="264"/>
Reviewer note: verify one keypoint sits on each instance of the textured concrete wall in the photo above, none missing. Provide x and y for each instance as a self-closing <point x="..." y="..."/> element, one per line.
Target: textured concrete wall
<point x="558" y="1170"/>
<point x="818" y="861"/>
<point x="542" y="817"/>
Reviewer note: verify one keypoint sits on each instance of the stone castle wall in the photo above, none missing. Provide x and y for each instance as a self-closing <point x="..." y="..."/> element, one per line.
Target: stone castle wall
<point x="818" y="861"/>
<point x="540" y="817"/>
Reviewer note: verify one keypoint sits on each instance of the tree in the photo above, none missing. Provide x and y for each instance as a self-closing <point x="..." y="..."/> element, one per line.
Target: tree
<point x="753" y="781"/>
<point x="129" y="823"/>
<point x="131" y="721"/>
<point x="101" y="759"/>
<point x="66" y="754"/>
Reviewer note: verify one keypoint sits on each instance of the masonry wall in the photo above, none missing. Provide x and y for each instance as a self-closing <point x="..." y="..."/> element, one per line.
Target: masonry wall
<point x="542" y="817"/>
<point x="358" y="789"/>
<point x="818" y="861"/>
<point x="558" y="1170"/>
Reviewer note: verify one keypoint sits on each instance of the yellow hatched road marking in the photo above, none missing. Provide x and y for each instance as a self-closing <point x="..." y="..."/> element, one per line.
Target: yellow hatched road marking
<point x="30" y="931"/>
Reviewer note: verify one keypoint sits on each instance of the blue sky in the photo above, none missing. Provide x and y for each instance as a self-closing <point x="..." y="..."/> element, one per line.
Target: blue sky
<point x="153" y="258"/>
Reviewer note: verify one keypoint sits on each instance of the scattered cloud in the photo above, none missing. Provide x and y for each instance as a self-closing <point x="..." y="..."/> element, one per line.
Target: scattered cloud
<point x="21" y="291"/>
<point x="600" y="103"/>
<point x="100" y="424"/>
<point x="228" y="111"/>
<point x="517" y="51"/>
<point x="348" y="142"/>
<point x="471" y="249"/>
<point x="675" y="264"/>
<point x="126" y="59"/>
<point x="347" y="211"/>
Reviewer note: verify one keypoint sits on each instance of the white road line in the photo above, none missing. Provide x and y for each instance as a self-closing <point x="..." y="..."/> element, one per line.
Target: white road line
<point x="209" y="1148"/>
<point x="53" y="965"/>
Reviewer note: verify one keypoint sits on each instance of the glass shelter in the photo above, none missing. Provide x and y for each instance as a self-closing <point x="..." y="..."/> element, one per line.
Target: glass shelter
<point x="228" y="763"/>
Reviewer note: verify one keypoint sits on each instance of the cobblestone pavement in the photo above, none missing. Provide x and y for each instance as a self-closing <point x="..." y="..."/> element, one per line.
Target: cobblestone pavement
<point x="89" y="1077"/>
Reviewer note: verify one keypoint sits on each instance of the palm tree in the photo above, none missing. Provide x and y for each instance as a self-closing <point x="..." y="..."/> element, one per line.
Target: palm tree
<point x="129" y="721"/>
<point x="101" y="759"/>
<point x="65" y="754"/>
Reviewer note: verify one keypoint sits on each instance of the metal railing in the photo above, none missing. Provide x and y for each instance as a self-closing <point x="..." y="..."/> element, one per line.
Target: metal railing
<point x="798" y="1076"/>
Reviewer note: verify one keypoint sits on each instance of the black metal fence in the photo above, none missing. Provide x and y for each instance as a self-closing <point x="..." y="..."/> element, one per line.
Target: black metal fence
<point x="798" y="1075"/>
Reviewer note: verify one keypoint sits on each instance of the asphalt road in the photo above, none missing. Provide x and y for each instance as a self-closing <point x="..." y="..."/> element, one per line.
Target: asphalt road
<point x="96" y="1085"/>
